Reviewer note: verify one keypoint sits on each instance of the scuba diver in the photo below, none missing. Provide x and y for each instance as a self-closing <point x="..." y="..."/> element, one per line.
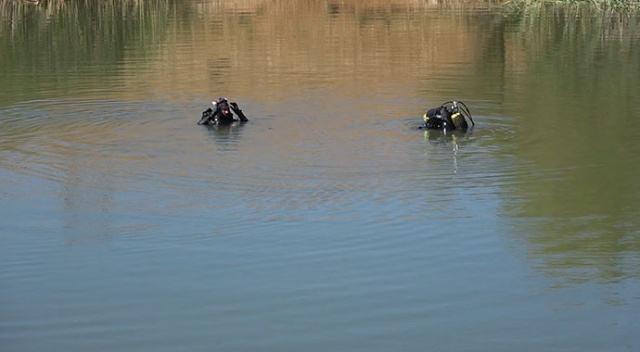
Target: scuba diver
<point x="220" y="114"/>
<point x="449" y="116"/>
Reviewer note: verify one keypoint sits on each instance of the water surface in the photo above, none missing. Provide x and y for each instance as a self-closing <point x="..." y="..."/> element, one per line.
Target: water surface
<point x="329" y="221"/>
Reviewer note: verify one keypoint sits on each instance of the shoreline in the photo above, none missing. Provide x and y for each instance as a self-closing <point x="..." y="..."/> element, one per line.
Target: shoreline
<point x="255" y="4"/>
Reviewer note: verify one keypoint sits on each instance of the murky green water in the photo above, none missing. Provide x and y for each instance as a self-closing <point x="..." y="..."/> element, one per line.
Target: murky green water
<point x="329" y="221"/>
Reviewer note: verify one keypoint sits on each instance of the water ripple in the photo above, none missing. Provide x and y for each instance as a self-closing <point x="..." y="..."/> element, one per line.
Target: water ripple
<point x="299" y="165"/>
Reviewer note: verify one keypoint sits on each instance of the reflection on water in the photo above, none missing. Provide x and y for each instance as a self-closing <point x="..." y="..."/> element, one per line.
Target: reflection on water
<point x="330" y="219"/>
<point x="77" y="46"/>
<point x="579" y="129"/>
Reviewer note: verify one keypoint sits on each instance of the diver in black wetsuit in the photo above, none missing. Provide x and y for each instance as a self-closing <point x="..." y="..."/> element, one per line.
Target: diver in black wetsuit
<point x="452" y="115"/>
<point x="221" y="115"/>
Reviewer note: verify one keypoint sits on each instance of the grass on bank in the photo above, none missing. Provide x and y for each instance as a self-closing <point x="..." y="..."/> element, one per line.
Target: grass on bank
<point x="624" y="5"/>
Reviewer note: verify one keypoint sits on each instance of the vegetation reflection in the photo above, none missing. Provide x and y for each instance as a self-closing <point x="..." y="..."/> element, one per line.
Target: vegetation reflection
<point x="45" y="46"/>
<point x="575" y="66"/>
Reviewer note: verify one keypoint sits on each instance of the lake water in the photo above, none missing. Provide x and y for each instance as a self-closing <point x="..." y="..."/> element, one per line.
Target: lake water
<point x="329" y="222"/>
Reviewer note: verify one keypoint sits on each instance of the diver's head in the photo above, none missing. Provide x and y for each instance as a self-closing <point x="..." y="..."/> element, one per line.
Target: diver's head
<point x="222" y="105"/>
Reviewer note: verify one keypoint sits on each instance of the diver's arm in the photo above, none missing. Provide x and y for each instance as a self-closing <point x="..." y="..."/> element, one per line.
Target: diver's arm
<point x="236" y="109"/>
<point x="207" y="117"/>
<point x="447" y="120"/>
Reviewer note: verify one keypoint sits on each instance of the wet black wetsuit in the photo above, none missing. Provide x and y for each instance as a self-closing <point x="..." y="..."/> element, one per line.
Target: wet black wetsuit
<point x="222" y="115"/>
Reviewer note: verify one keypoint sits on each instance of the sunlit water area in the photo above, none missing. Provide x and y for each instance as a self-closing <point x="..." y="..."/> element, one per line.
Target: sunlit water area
<point x="329" y="221"/>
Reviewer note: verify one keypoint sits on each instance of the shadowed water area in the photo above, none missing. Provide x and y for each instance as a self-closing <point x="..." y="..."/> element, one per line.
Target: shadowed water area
<point x="329" y="222"/>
